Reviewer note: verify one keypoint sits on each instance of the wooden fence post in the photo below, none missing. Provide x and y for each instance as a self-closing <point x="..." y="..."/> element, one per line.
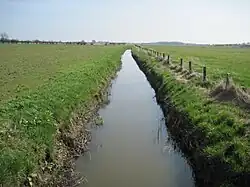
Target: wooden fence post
<point x="204" y="74"/>
<point x="163" y="56"/>
<point x="227" y="80"/>
<point x="190" y="66"/>
<point x="181" y="64"/>
<point x="168" y="60"/>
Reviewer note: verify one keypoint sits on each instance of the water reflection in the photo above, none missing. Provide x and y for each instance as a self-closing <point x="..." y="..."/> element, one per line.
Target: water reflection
<point x="132" y="148"/>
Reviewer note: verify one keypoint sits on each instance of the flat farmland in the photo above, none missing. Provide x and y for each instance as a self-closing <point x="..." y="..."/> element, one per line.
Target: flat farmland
<point x="218" y="60"/>
<point x="26" y="67"/>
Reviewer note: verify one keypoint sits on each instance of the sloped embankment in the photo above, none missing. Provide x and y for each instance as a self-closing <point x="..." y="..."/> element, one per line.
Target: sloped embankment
<point x="213" y="136"/>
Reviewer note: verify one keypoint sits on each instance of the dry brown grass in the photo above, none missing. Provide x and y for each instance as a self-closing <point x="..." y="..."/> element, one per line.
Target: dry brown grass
<point x="159" y="58"/>
<point x="173" y="67"/>
<point x="181" y="79"/>
<point x="184" y="73"/>
<point x="231" y="93"/>
<point x="193" y="75"/>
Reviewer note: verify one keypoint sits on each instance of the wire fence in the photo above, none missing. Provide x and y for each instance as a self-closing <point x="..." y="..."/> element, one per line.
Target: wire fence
<point x="189" y="66"/>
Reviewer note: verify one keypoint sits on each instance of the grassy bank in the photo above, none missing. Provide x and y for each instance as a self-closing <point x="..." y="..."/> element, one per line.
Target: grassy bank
<point x="214" y="136"/>
<point x="58" y="80"/>
<point x="219" y="61"/>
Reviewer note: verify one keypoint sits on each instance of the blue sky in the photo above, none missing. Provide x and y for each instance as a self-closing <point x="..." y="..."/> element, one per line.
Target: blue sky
<point x="200" y="21"/>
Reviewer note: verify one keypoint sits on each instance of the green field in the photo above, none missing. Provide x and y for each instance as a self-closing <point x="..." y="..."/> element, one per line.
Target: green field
<point x="218" y="60"/>
<point x="26" y="67"/>
<point x="41" y="86"/>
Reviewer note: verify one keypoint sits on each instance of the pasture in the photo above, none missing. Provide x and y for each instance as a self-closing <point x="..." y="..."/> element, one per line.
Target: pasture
<point x="218" y="60"/>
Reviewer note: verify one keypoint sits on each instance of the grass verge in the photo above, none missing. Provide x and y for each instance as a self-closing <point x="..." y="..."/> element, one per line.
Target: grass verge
<point x="214" y="136"/>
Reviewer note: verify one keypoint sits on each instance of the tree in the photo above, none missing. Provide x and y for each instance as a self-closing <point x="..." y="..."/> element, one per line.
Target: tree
<point x="93" y="42"/>
<point x="4" y="37"/>
<point x="36" y="41"/>
<point x="83" y="42"/>
<point x="14" y="41"/>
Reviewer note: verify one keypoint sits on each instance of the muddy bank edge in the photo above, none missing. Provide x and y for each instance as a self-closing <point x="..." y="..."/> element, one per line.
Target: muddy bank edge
<point x="210" y="135"/>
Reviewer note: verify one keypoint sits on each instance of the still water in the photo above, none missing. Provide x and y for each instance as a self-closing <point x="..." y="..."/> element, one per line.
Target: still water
<point x="132" y="149"/>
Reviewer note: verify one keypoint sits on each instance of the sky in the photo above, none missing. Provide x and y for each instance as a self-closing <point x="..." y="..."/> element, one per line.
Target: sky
<point x="195" y="21"/>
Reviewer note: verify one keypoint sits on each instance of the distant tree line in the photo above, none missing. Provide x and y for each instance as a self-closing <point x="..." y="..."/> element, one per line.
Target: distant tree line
<point x="242" y="45"/>
<point x="5" y="39"/>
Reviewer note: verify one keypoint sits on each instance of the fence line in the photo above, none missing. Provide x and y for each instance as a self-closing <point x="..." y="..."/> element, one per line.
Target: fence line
<point x="162" y="57"/>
